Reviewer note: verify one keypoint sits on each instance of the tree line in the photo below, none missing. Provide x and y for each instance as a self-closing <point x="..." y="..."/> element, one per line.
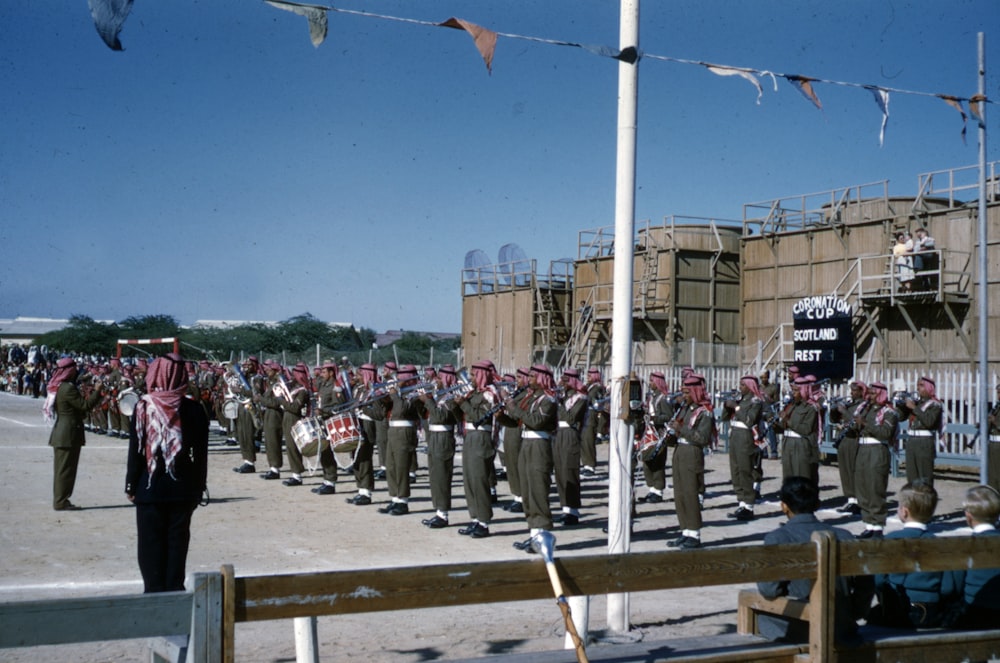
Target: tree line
<point x="293" y="339"/>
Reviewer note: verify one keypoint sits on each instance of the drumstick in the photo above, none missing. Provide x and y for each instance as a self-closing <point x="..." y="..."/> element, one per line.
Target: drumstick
<point x="546" y="546"/>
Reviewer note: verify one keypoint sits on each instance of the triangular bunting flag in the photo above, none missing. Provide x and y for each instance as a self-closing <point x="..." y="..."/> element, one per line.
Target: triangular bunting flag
<point x="956" y="103"/>
<point x="730" y="71"/>
<point x="975" y="105"/>
<point x="486" y="39"/>
<point x="882" y="99"/>
<point x="109" y="15"/>
<point x="803" y="85"/>
<point x="315" y="15"/>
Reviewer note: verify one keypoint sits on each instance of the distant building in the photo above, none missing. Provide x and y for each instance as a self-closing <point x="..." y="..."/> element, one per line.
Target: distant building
<point x="392" y="335"/>
<point x="24" y="331"/>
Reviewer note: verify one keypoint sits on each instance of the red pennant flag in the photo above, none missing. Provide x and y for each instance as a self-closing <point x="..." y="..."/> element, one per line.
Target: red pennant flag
<point x="803" y="85"/>
<point x="485" y="39"/>
<point x="955" y="103"/>
<point x="975" y="105"/>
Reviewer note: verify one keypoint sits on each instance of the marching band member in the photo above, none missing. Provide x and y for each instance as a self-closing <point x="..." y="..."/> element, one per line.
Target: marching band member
<point x="926" y="421"/>
<point x="571" y="409"/>
<point x="272" y="421"/>
<point x="292" y="411"/>
<point x="442" y="417"/>
<point x="593" y="422"/>
<point x="382" y="425"/>
<point x="537" y="411"/>
<point x="744" y="454"/>
<point x="478" y="450"/>
<point x="512" y="447"/>
<point x="800" y="427"/>
<point x="847" y="449"/>
<point x="244" y="424"/>
<point x="876" y="428"/>
<point x="328" y="395"/>
<point x="993" y="446"/>
<point x="695" y="427"/>
<point x="404" y="417"/>
<point x="374" y="410"/>
<point x="660" y="410"/>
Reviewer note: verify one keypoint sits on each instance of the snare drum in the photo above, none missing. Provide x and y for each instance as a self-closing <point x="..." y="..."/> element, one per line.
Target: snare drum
<point x="127" y="400"/>
<point x="343" y="432"/>
<point x="307" y="433"/>
<point x="231" y="408"/>
<point x="650" y="445"/>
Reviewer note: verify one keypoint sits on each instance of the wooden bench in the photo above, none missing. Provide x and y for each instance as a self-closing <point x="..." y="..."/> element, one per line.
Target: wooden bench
<point x="853" y="558"/>
<point x="256" y="598"/>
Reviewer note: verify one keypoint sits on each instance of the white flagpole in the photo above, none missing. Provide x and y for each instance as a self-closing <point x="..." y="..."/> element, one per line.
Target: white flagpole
<point x="620" y="467"/>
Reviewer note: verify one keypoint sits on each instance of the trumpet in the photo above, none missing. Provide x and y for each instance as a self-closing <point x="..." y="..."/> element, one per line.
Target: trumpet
<point x="731" y="395"/>
<point x="499" y="406"/>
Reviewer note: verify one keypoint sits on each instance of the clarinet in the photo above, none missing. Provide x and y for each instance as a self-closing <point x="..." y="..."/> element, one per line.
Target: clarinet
<point x="850" y="426"/>
<point x="496" y="408"/>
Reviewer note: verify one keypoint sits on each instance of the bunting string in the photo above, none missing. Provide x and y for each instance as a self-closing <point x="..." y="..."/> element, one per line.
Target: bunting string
<point x="109" y="15"/>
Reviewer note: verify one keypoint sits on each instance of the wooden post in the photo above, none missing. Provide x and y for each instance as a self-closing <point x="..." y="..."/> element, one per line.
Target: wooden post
<point x="228" y="613"/>
<point x="205" y="641"/>
<point x="822" y="599"/>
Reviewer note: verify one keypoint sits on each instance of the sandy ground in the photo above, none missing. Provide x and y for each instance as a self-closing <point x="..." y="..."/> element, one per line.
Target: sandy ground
<point x="263" y="527"/>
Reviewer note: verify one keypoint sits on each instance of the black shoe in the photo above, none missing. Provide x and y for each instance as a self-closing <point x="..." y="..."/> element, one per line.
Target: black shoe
<point x="568" y="520"/>
<point x="291" y="482"/>
<point x="871" y="534"/>
<point x="852" y="508"/>
<point x="231" y="442"/>
<point x="68" y="506"/>
<point x="379" y="474"/>
<point x="386" y="508"/>
<point x="684" y="542"/>
<point x="437" y="522"/>
<point x="399" y="509"/>
<point x="742" y="513"/>
<point x="359" y="500"/>
<point x="494" y="499"/>
<point x="245" y="468"/>
<point x="325" y="489"/>
<point x="270" y="475"/>
<point x="501" y="475"/>
<point x="468" y="530"/>
<point x="756" y="496"/>
<point x="480" y="531"/>
<point x="527" y="546"/>
<point x="515" y="507"/>
<point x="651" y="498"/>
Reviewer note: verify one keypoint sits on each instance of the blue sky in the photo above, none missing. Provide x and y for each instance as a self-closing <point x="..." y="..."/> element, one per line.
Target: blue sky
<point x="221" y="167"/>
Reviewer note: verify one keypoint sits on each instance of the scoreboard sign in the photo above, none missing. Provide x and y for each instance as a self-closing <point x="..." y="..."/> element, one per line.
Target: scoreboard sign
<point x="823" y="337"/>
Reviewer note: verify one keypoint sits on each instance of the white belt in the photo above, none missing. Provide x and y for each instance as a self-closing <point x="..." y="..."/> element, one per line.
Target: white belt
<point x="564" y="424"/>
<point x="401" y="423"/>
<point x="485" y="429"/>
<point x="869" y="440"/>
<point x="683" y="440"/>
<point x="739" y="424"/>
<point x="921" y="433"/>
<point x="440" y="428"/>
<point x="365" y="417"/>
<point x="791" y="433"/>
<point x="994" y="438"/>
<point x="535" y="435"/>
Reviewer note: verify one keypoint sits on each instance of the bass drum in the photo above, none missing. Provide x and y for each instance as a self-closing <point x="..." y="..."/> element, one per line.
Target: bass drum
<point x="307" y="433"/>
<point x="231" y="408"/>
<point x="127" y="400"/>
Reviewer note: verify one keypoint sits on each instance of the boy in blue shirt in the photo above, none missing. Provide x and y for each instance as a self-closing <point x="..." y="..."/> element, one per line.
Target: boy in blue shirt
<point x="979" y="589"/>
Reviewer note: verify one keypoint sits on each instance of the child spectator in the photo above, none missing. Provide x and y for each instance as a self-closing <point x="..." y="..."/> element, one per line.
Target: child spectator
<point x="978" y="589"/>
<point x="911" y="600"/>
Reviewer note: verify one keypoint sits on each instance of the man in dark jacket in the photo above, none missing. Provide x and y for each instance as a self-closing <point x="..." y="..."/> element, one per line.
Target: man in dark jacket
<point x="167" y="471"/>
